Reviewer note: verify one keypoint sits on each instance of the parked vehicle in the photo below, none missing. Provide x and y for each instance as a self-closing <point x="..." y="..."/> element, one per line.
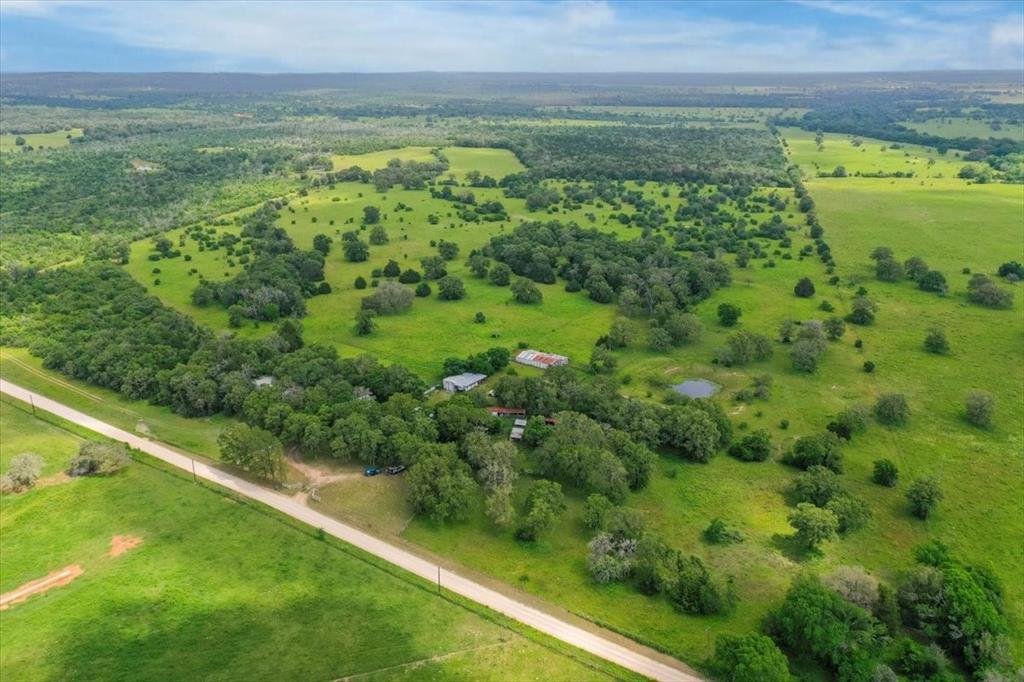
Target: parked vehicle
<point x="397" y="469"/>
<point x="371" y="471"/>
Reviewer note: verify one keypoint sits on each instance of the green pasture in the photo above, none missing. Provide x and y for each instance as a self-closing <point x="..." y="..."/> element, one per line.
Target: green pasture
<point x="221" y="590"/>
<point x="567" y="323"/>
<point x="53" y="140"/>
<point x="487" y="160"/>
<point x="137" y="416"/>
<point x="376" y="160"/>
<point x="949" y="222"/>
<point x="961" y="126"/>
<point x="979" y="469"/>
<point x="870" y="156"/>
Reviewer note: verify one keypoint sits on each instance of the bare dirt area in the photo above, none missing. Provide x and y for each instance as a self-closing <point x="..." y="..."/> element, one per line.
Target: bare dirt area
<point x="55" y="579"/>
<point x="119" y="544"/>
<point x="317" y="477"/>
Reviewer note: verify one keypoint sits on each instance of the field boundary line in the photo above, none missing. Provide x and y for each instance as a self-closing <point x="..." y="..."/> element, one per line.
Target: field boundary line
<point x="637" y="658"/>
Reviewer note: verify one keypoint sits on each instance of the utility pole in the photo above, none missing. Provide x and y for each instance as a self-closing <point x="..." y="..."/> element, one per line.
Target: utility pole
<point x="439" y="578"/>
<point x="194" y="471"/>
<point x="32" y="403"/>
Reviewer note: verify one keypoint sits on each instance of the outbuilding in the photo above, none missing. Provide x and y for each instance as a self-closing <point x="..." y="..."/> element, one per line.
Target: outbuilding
<point x="535" y="358"/>
<point x="458" y="383"/>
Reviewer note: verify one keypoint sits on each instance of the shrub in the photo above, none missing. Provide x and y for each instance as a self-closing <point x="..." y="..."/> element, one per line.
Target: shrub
<point x="933" y="281"/>
<point x="390" y="298"/>
<point x="892" y="409"/>
<point x="22" y="472"/>
<point x="983" y="291"/>
<point x="852" y="512"/>
<point x="543" y="504"/>
<point x="869" y="366"/>
<point x="855" y="585"/>
<point x="719" y="532"/>
<point x="853" y="419"/>
<point x="936" y="342"/>
<point x="450" y="289"/>
<point x="924" y="495"/>
<point x="423" y="290"/>
<point x="98" y="459"/>
<point x="743" y="347"/>
<point x="526" y="291"/>
<point x="915" y="267"/>
<point x="804" y="288"/>
<point x="595" y="509"/>
<point x="889" y="270"/>
<point x="749" y="658"/>
<point x="980" y="407"/>
<point x="862" y="311"/>
<point x="360" y="282"/>
<point x="821" y="449"/>
<point x="755" y="447"/>
<point x="410" y="276"/>
<point x="816" y="485"/>
<point x="728" y="314"/>
<point x="813" y="525"/>
<point x="694" y="591"/>
<point x="610" y="559"/>
<point x="885" y="473"/>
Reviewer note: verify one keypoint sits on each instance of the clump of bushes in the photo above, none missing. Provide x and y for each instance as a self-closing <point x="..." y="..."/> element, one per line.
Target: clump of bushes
<point x="98" y="459"/>
<point x="22" y="473"/>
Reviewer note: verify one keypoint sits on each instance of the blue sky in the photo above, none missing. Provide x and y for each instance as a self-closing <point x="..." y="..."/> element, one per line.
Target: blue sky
<point x="591" y="35"/>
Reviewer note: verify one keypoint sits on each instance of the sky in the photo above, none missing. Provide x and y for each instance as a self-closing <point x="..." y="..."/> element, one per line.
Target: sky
<point x="527" y="35"/>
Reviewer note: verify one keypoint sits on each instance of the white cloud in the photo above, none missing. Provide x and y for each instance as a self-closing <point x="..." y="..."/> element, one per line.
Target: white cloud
<point x="455" y="35"/>
<point x="588" y="14"/>
<point x="1009" y="32"/>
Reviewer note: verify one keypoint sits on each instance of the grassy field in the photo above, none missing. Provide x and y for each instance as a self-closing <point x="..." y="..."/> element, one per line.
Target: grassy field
<point x="219" y="590"/>
<point x="54" y="140"/>
<point x="960" y="126"/>
<point x="949" y="222"/>
<point x="195" y="435"/>
<point x="870" y="156"/>
<point x="567" y="323"/>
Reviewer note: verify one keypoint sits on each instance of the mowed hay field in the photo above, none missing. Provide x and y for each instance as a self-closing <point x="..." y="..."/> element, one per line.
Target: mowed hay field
<point x="219" y="590"/>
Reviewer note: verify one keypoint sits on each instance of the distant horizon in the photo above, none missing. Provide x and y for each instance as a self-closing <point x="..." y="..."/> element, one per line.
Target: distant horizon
<point x="513" y="73"/>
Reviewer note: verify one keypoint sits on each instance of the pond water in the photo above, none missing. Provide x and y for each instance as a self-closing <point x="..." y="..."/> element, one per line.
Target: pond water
<point x="697" y="388"/>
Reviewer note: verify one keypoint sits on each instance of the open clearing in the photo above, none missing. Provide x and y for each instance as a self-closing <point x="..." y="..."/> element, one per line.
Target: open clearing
<point x="39" y="141"/>
<point x="283" y="597"/>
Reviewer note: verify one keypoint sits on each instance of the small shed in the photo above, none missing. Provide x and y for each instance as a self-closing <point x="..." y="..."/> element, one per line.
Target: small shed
<point x="520" y="422"/>
<point x="517" y="433"/>
<point x="458" y="383"/>
<point x="535" y="358"/>
<point x="265" y="380"/>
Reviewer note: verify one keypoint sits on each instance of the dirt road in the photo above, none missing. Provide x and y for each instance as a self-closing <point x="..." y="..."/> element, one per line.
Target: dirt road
<point x="637" y="658"/>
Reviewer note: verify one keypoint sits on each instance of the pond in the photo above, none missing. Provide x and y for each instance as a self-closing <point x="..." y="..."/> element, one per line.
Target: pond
<point x="697" y="388"/>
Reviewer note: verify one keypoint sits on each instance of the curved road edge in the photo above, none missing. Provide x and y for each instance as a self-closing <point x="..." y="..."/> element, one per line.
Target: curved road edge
<point x="652" y="665"/>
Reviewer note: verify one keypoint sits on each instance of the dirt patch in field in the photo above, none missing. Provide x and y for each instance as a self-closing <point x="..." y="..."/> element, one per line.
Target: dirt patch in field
<point x="55" y="579"/>
<point x="317" y="477"/>
<point x="119" y="544"/>
<point x="55" y="479"/>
